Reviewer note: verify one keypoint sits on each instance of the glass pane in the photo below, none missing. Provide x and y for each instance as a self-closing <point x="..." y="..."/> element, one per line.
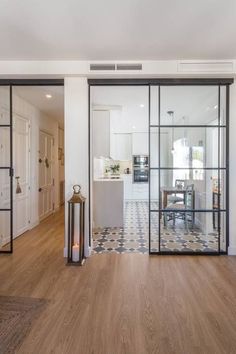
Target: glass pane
<point x="223" y="105"/>
<point x="222" y="161"/>
<point x="154" y="231"/>
<point x="154" y="147"/>
<point x="191" y="147"/>
<point x="188" y="232"/>
<point x="4" y="189"/>
<point x="154" y="105"/>
<point x="196" y="189"/>
<point x="5" y="234"/>
<point x="223" y="247"/>
<point x="4" y="105"/>
<point x="189" y="105"/>
<point x="219" y="190"/>
<point x="154" y="189"/>
<point x="4" y="146"/>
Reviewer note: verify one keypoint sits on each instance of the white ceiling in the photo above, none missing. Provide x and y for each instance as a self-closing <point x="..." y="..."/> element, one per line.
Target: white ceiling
<point x="36" y="95"/>
<point x="118" y="30"/>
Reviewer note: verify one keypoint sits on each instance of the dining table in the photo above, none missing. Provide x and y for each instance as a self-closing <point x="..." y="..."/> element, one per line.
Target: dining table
<point x="166" y="191"/>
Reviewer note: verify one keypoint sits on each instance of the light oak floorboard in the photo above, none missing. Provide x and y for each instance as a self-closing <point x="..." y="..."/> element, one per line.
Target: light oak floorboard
<point x="121" y="304"/>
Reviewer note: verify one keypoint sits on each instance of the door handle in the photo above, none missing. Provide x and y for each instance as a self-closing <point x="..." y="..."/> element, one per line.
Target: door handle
<point x="18" y="187"/>
<point x="40" y="189"/>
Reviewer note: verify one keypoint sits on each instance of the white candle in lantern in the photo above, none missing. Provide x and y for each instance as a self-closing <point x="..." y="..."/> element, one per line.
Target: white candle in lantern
<point x="75" y="253"/>
<point x="77" y="224"/>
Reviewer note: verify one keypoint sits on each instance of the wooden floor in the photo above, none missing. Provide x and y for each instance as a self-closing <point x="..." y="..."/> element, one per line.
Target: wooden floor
<point x="131" y="303"/>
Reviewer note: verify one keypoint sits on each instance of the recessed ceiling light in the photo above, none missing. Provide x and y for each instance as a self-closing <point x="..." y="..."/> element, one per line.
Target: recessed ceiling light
<point x="215" y="107"/>
<point x="141" y="105"/>
<point x="48" y="95"/>
<point x="133" y="127"/>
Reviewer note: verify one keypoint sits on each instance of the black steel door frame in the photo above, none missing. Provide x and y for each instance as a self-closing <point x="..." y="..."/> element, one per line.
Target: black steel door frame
<point x="11" y="83"/>
<point x="218" y="211"/>
<point x="168" y="82"/>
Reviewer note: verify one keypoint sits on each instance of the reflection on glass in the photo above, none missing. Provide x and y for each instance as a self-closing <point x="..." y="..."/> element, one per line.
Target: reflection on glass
<point x="223" y="244"/>
<point x="154" y="105"/>
<point x="188" y="232"/>
<point x="4" y="189"/>
<point x="192" y="105"/>
<point x="222" y="105"/>
<point x="154" y="189"/>
<point x="4" y="146"/>
<point x="5" y="230"/>
<point x="174" y="186"/>
<point x="154" y="147"/>
<point x="154" y="231"/>
<point x="4" y="105"/>
<point x="191" y="148"/>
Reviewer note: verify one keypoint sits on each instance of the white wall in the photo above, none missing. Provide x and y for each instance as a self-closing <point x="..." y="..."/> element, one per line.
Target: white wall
<point x="37" y="121"/>
<point x="153" y="68"/>
<point x="76" y="145"/>
<point x="61" y="145"/>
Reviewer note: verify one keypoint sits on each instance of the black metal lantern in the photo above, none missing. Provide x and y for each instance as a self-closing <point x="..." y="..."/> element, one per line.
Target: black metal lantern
<point x="76" y="213"/>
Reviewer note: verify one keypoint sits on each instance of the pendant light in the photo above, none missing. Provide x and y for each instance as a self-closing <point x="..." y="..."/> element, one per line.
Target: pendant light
<point x="171" y="114"/>
<point x="185" y="134"/>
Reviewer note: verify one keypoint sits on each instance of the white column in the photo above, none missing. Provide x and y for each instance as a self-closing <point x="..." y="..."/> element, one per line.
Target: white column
<point x="232" y="172"/>
<point x="76" y="145"/>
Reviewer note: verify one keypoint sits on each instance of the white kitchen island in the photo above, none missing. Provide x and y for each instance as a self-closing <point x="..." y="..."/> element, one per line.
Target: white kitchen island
<point x="108" y="202"/>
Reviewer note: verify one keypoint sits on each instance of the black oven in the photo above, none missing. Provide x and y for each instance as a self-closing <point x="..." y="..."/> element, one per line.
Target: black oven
<point x="140" y="175"/>
<point x="140" y="169"/>
<point x="140" y="161"/>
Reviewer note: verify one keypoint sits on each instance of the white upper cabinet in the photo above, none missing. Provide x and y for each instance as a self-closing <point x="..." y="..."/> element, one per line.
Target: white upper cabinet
<point x="120" y="138"/>
<point x="101" y="133"/>
<point x="121" y="146"/>
<point x="140" y="143"/>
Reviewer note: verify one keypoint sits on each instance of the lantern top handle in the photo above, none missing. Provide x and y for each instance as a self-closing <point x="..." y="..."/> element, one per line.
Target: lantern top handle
<point x="76" y="188"/>
<point x="77" y="196"/>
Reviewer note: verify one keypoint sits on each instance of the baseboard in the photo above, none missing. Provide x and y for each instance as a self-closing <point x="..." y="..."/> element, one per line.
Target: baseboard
<point x="232" y="250"/>
<point x="34" y="224"/>
<point x="57" y="208"/>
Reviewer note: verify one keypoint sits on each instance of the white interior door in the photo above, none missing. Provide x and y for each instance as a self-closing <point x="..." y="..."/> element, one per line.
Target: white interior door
<point x="21" y="190"/>
<point x="46" y="180"/>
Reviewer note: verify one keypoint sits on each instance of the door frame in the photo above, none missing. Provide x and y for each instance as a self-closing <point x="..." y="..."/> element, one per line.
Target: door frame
<point x="11" y="83"/>
<point x="53" y="190"/>
<point x="162" y="82"/>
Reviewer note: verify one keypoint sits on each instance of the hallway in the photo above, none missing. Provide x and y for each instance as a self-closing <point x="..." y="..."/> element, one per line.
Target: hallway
<point x="129" y="303"/>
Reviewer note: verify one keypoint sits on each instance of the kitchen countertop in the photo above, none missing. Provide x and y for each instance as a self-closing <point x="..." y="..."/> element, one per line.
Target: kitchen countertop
<point x="108" y="179"/>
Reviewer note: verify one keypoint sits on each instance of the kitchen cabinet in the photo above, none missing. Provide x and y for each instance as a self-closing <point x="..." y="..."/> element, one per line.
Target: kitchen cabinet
<point x="140" y="191"/>
<point x="121" y="146"/>
<point x="108" y="203"/>
<point x="140" y="143"/>
<point x="134" y="191"/>
<point x="128" y="187"/>
<point x="101" y="133"/>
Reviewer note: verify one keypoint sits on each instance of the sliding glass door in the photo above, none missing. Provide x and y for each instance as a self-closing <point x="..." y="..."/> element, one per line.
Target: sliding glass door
<point x="6" y="224"/>
<point x="188" y="169"/>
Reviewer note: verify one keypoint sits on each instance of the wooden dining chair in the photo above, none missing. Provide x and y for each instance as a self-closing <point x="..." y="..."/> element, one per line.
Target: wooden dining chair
<point x="174" y="198"/>
<point x="180" y="210"/>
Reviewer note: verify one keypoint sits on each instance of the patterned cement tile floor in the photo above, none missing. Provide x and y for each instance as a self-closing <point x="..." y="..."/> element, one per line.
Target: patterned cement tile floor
<point x="133" y="237"/>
